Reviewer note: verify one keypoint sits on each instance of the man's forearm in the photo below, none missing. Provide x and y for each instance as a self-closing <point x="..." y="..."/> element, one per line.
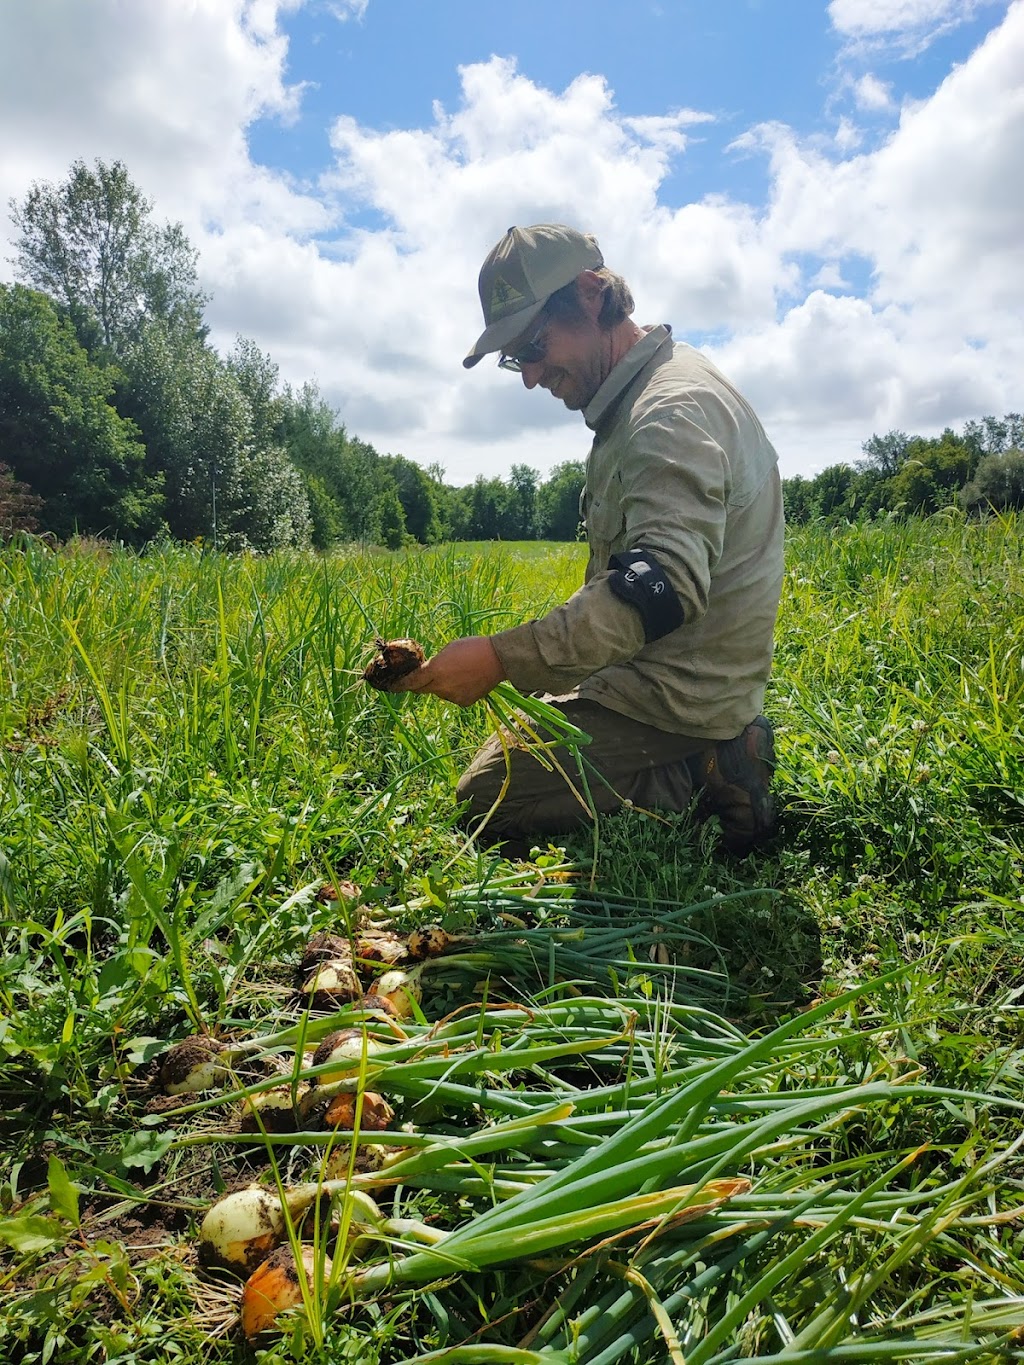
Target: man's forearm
<point x="587" y="633"/>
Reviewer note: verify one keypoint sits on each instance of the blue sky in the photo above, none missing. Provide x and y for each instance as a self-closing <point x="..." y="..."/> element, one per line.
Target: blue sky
<point x="824" y="194"/>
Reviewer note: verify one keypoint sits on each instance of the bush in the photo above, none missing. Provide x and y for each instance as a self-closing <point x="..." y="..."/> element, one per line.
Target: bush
<point x="998" y="483"/>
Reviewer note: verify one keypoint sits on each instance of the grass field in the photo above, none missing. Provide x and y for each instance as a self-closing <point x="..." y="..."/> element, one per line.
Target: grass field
<point x="652" y="1106"/>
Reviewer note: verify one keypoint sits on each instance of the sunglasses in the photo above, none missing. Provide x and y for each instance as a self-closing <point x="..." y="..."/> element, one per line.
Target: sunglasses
<point x="530" y="354"/>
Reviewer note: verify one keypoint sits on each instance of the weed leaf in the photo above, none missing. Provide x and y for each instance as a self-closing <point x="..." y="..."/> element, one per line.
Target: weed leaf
<point x="63" y="1194"/>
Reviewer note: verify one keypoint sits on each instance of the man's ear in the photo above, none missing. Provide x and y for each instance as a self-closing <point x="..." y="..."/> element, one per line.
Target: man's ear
<point x="590" y="292"/>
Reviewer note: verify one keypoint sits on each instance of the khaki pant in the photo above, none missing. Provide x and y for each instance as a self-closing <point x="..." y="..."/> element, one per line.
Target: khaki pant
<point x="633" y="762"/>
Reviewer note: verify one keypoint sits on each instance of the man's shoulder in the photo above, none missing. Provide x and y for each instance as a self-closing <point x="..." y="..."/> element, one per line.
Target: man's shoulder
<point x="684" y="365"/>
<point x="679" y="376"/>
<point x="683" y="390"/>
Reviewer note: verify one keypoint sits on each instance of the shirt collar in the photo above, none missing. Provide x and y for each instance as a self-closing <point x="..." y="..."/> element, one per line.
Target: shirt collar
<point x="624" y="373"/>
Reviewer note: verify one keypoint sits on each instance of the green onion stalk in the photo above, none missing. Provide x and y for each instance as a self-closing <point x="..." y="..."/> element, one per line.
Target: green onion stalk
<point x="476" y="1246"/>
<point x="517" y="721"/>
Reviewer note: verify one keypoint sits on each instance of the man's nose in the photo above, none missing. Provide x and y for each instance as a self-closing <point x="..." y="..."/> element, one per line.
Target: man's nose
<point x="532" y="373"/>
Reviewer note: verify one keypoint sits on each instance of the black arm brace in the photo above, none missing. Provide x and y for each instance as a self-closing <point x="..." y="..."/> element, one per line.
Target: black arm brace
<point x="638" y="578"/>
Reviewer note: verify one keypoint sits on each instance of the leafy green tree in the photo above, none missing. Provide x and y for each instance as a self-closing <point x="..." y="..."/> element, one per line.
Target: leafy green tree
<point x="487" y="502"/>
<point x="363" y="483"/>
<point x="457" y="512"/>
<point x="196" y="421"/>
<point x="886" y="454"/>
<point x="998" y="483"/>
<point x="833" y="490"/>
<point x="932" y="475"/>
<point x="416" y="493"/>
<point x="558" y="501"/>
<point x="326" y="528"/>
<point x="90" y="244"/>
<point x="994" y="435"/>
<point x="798" y="499"/>
<point x="257" y="377"/>
<point x="274" y="512"/>
<point x="59" y="433"/>
<point x="352" y="474"/>
<point x="390" y="519"/>
<point x="521" y="503"/>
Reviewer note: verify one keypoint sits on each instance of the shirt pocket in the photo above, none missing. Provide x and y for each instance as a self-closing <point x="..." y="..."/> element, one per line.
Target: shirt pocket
<point x="605" y="525"/>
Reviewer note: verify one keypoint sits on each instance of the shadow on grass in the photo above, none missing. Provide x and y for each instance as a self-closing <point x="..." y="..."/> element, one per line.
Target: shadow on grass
<point x="768" y="941"/>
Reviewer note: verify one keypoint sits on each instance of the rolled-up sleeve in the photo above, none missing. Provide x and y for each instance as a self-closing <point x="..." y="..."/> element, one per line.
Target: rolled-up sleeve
<point x="673" y="491"/>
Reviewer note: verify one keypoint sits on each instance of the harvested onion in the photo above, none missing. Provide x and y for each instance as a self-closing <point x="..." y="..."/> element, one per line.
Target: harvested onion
<point x="429" y="941"/>
<point x="324" y="947"/>
<point x="322" y="1110"/>
<point x="345" y="1047"/>
<point x="243" y="1228"/>
<point x="377" y="946"/>
<point x="271" y="1111"/>
<point x="193" y="1065"/>
<point x="369" y="1157"/>
<point x="396" y="993"/>
<point x="240" y="1229"/>
<point x="395" y="659"/>
<point x="332" y="983"/>
<point x="275" y="1286"/>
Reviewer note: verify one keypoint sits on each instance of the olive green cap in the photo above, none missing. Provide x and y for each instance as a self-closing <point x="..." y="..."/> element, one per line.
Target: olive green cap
<point x="522" y="272"/>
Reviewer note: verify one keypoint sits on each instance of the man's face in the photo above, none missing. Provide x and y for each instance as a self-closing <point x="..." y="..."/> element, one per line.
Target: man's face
<point x="572" y="368"/>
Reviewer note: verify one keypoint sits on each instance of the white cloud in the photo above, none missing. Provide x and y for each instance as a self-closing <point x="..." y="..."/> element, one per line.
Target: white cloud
<point x="871" y="94"/>
<point x="169" y="89"/>
<point x="348" y="9"/>
<point x="380" y="316"/>
<point x="908" y="25"/>
<point x="938" y="211"/>
<point x="848" y="136"/>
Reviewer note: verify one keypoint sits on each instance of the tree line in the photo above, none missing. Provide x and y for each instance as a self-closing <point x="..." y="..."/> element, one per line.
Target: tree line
<point x="119" y="419"/>
<point x="978" y="469"/>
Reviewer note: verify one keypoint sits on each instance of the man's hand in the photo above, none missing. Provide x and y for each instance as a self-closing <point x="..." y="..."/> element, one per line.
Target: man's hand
<point x="463" y="672"/>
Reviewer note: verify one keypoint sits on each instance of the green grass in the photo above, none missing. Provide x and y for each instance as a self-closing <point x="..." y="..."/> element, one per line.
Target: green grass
<point x="186" y="756"/>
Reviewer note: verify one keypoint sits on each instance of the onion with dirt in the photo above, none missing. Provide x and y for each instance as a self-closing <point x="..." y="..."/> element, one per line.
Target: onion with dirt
<point x="395" y="660"/>
<point x="275" y="1286"/>
<point x="192" y="1066"/>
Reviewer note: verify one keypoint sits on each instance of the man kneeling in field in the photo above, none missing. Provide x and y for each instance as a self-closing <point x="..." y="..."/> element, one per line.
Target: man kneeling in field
<point x="663" y="654"/>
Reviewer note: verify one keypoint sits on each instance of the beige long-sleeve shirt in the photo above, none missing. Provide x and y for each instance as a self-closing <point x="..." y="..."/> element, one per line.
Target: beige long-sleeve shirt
<point x="681" y="467"/>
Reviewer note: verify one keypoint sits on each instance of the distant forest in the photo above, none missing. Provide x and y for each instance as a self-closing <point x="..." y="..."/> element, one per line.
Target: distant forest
<point x="118" y="419"/>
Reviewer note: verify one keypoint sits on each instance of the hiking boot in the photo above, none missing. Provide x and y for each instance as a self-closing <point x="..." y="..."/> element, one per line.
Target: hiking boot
<point x="734" y="782"/>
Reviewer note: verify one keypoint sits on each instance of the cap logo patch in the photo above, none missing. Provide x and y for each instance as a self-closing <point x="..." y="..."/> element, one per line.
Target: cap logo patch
<point x="505" y="298"/>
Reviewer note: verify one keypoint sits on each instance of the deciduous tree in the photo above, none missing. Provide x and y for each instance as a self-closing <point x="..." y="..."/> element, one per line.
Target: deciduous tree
<point x="558" y="501"/>
<point x="59" y="433"/>
<point x="90" y="243"/>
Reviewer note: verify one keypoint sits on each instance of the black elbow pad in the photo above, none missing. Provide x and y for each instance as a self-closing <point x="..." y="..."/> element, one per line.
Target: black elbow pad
<point x="637" y="578"/>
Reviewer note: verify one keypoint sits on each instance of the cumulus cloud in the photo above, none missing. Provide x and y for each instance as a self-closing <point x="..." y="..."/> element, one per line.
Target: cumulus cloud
<point x="170" y="90"/>
<point x="909" y="26"/>
<point x="365" y="281"/>
<point x="871" y="94"/>
<point x="938" y="212"/>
